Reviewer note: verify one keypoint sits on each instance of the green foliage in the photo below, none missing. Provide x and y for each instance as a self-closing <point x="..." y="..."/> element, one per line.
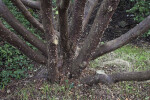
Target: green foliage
<point x="139" y="57"/>
<point x="141" y="9"/>
<point x="18" y="15"/>
<point x="46" y="91"/>
<point x="13" y="64"/>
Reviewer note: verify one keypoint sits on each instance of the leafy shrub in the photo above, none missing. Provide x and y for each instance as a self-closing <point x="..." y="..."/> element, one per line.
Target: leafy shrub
<point x="141" y="9"/>
<point x="13" y="64"/>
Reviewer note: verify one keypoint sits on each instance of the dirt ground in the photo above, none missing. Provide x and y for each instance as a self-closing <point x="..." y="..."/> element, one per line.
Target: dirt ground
<point x="120" y="24"/>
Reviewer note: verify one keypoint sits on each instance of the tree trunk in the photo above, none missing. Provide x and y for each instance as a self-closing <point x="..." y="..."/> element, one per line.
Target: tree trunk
<point x="64" y="34"/>
<point x="46" y="6"/>
<point x="74" y="59"/>
<point x="100" y="24"/>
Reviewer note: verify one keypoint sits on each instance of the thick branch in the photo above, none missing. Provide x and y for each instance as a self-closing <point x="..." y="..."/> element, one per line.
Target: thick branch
<point x="32" y="4"/>
<point x="63" y="25"/>
<point x="76" y="25"/>
<point x="14" y="40"/>
<point x="89" y="16"/>
<point x="51" y="38"/>
<point x="20" y="29"/>
<point x="89" y="13"/>
<point x="28" y="15"/>
<point x="63" y="4"/>
<point x="117" y="77"/>
<point x="99" y="26"/>
<point x="141" y="28"/>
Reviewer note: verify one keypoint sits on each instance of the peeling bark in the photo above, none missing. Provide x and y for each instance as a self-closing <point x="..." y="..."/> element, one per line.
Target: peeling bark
<point x="46" y="6"/>
<point x="112" y="45"/>
<point x="117" y="77"/>
<point x="21" y="30"/>
<point x="32" y="4"/>
<point x="27" y="15"/>
<point x="14" y="40"/>
<point x="99" y="26"/>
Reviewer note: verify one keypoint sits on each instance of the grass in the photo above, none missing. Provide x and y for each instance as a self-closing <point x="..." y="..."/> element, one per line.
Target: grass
<point x="46" y="92"/>
<point x="120" y="91"/>
<point x="138" y="58"/>
<point x="14" y="64"/>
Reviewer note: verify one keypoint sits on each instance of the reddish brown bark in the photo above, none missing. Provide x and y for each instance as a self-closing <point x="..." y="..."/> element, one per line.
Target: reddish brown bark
<point x="117" y="77"/>
<point x="89" y="16"/>
<point x="32" y="4"/>
<point x="46" y="6"/>
<point x="76" y="25"/>
<point x="89" y="13"/>
<point x="141" y="28"/>
<point x="100" y="24"/>
<point x="14" y="40"/>
<point x="27" y="15"/>
<point x="20" y="29"/>
<point x="64" y="34"/>
<point x="63" y="27"/>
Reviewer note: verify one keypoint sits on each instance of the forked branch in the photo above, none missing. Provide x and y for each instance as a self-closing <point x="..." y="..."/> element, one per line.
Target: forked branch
<point x="89" y="13"/>
<point x="100" y="24"/>
<point x="63" y="27"/>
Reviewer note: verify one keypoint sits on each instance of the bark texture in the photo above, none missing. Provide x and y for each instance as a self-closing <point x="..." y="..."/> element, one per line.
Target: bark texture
<point x="63" y="27"/>
<point x="99" y="26"/>
<point x="90" y="16"/>
<point x="14" y="40"/>
<point x="32" y="4"/>
<point x="74" y="60"/>
<point x="20" y="29"/>
<point x="117" y="77"/>
<point x="141" y="28"/>
<point x="46" y="6"/>
<point x="64" y="34"/>
<point x="76" y="25"/>
<point x="28" y="15"/>
<point x="88" y="10"/>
